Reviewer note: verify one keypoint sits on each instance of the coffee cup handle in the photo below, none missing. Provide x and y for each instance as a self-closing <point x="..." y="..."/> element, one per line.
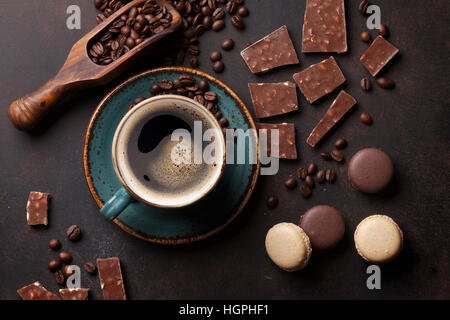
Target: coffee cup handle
<point x="118" y="202"/>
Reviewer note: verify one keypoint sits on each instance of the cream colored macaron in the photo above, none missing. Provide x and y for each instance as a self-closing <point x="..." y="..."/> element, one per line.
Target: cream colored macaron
<point x="288" y="246"/>
<point x="378" y="239"/>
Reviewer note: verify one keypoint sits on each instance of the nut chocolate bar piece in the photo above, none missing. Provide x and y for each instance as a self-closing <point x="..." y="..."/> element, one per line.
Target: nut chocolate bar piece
<point x="74" y="294"/>
<point x="319" y="79"/>
<point x="340" y="106"/>
<point x="271" y="99"/>
<point x="324" y="27"/>
<point x="37" y="208"/>
<point x="274" y="50"/>
<point x="378" y="55"/>
<point x="111" y="280"/>
<point x="286" y="143"/>
<point x="36" y="291"/>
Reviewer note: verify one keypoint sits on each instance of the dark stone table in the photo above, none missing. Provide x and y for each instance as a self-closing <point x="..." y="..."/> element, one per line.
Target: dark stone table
<point x="411" y="123"/>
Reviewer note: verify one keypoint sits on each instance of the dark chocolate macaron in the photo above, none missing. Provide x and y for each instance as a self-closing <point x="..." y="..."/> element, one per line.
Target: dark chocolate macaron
<point x="370" y="170"/>
<point x="324" y="226"/>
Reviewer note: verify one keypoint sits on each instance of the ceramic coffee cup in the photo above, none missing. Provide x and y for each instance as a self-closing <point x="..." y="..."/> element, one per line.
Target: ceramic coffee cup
<point x="168" y="151"/>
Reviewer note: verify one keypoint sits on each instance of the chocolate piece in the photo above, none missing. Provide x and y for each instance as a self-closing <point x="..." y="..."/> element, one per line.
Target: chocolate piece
<point x="271" y="99"/>
<point x="319" y="79"/>
<point x="324" y="226"/>
<point x="340" y="106"/>
<point x="36" y="291"/>
<point x="286" y="143"/>
<point x="378" y="55"/>
<point x="274" y="50"/>
<point x="111" y="280"/>
<point x="370" y="170"/>
<point x="37" y="208"/>
<point x="324" y="27"/>
<point x="74" y="294"/>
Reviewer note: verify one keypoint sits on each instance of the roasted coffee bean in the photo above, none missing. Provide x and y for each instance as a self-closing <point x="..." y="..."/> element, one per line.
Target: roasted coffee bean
<point x="290" y="183"/>
<point x="237" y="22"/>
<point x="66" y="271"/>
<point x="218" y="14"/>
<point x="365" y="84"/>
<point x="100" y="18"/>
<point x="320" y="176"/>
<point x="59" y="277"/>
<point x="65" y="257"/>
<point x="90" y="267"/>
<point x="383" y="31"/>
<point x="218" y="66"/>
<point x="130" y="43"/>
<point x="218" y="115"/>
<point x="194" y="50"/>
<point x="215" y="56"/>
<point x="206" y="11"/>
<point x="365" y="36"/>
<point x="340" y="143"/>
<point x="309" y="181"/>
<point x="165" y="84"/>
<point x="73" y="232"/>
<point x="362" y="8"/>
<point x="272" y="202"/>
<point x="365" y="118"/>
<point x="227" y="44"/>
<point x="330" y="175"/>
<point x="198" y="19"/>
<point x="212" y="4"/>
<point x="54" y="265"/>
<point x="54" y="244"/>
<point x="326" y="155"/>
<point x="200" y="99"/>
<point x="231" y="7"/>
<point x="218" y="25"/>
<point x="223" y="122"/>
<point x="305" y="191"/>
<point x="207" y="22"/>
<point x="312" y="168"/>
<point x="337" y="155"/>
<point x="203" y="85"/>
<point x="98" y="3"/>
<point x="385" y="83"/>
<point x="243" y="11"/>
<point x="302" y="173"/>
<point x="155" y="89"/>
<point x="210" y="96"/>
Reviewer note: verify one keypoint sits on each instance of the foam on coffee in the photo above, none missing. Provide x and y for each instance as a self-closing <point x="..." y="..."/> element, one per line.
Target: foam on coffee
<point x="152" y="175"/>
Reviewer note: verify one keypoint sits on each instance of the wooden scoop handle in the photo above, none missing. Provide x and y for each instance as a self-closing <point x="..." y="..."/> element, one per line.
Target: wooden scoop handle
<point x="27" y="112"/>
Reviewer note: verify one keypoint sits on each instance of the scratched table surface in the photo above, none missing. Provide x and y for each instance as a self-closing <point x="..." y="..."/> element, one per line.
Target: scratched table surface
<point x="411" y="123"/>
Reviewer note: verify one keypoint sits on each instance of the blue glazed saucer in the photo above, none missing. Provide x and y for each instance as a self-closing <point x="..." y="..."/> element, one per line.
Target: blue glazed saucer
<point x="168" y="226"/>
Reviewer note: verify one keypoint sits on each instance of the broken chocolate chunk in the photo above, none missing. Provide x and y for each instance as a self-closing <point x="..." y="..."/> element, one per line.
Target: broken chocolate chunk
<point x="271" y="99"/>
<point x="36" y="291"/>
<point x="274" y="50"/>
<point x="286" y="143"/>
<point x="111" y="280"/>
<point x="340" y="106"/>
<point x="324" y="28"/>
<point x="37" y="208"/>
<point x="74" y="294"/>
<point x="319" y="79"/>
<point x="378" y="55"/>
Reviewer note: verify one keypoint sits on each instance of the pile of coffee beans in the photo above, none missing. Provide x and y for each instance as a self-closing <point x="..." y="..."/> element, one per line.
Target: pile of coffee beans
<point x="128" y="31"/>
<point x="336" y="155"/>
<point x="198" y="16"/>
<point x="307" y="175"/>
<point x="186" y="85"/>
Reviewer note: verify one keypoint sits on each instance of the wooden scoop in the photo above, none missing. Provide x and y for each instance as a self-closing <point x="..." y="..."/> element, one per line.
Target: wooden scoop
<point x="80" y="72"/>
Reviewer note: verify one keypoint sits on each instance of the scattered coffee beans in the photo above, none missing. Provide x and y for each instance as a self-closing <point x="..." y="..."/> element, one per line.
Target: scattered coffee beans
<point x="326" y="155"/>
<point x="302" y="173"/>
<point x="312" y="168"/>
<point x="365" y="118"/>
<point x="215" y="56"/>
<point x="290" y="183"/>
<point x="320" y="176"/>
<point x="59" y="277"/>
<point x="54" y="265"/>
<point x="54" y="244"/>
<point x="309" y="181"/>
<point x="218" y="25"/>
<point x="272" y="202"/>
<point x="340" y="143"/>
<point x="330" y="175"/>
<point x="90" y="267"/>
<point x="237" y="22"/>
<point x="385" y="83"/>
<point x="337" y="155"/>
<point x="73" y="232"/>
<point x="65" y="257"/>
<point x="365" y="84"/>
<point x="243" y="11"/>
<point x="218" y="66"/>
<point x="227" y="44"/>
<point x="305" y="191"/>
<point x="365" y="36"/>
<point x="362" y="8"/>
<point x="383" y="31"/>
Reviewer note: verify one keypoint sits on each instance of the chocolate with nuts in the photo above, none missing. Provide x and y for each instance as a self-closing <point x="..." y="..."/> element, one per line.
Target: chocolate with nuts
<point x="111" y="281"/>
<point x="271" y="99"/>
<point x="37" y="208"/>
<point x="378" y="55"/>
<point x="286" y="143"/>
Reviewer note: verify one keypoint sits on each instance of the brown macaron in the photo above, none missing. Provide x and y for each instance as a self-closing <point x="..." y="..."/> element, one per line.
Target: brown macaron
<point x="324" y="226"/>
